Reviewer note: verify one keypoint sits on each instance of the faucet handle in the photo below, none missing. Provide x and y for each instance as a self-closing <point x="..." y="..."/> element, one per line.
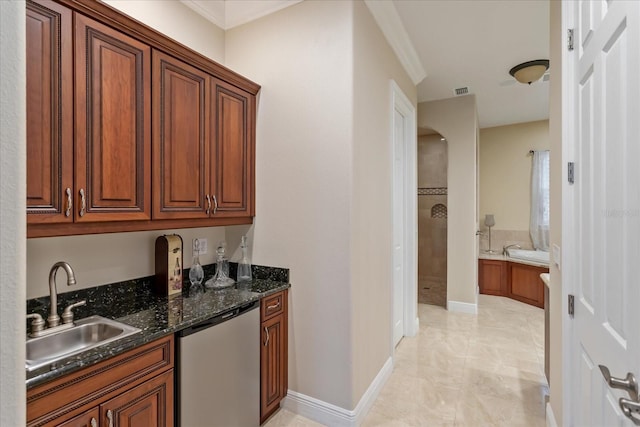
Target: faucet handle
<point x="67" y="314"/>
<point x="37" y="324"/>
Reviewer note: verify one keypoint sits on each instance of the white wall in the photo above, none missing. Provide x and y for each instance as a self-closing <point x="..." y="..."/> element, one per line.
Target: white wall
<point x="505" y="172"/>
<point x="302" y="57"/>
<point x="177" y="21"/>
<point x="375" y="65"/>
<point x="456" y="120"/>
<point x="12" y="212"/>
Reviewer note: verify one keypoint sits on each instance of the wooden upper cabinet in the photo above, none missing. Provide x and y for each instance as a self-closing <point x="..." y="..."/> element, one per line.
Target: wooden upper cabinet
<point x="49" y="107"/>
<point x="233" y="181"/>
<point x="113" y="124"/>
<point x="181" y="152"/>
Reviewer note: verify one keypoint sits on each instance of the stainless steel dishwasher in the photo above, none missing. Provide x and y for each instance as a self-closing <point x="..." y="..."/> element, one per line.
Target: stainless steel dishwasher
<point x="218" y="382"/>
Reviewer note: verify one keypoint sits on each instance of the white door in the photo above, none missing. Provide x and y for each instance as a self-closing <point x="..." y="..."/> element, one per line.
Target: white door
<point x="602" y="208"/>
<point x="398" y="226"/>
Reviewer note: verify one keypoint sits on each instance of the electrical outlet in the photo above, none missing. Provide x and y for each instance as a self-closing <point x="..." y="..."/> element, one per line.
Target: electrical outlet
<point x="200" y="245"/>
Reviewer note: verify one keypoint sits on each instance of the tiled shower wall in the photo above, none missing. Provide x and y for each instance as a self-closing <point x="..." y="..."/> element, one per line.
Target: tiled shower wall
<point x="432" y="220"/>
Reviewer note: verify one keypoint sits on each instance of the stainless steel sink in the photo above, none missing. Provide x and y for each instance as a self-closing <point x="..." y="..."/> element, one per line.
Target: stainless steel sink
<point x="87" y="333"/>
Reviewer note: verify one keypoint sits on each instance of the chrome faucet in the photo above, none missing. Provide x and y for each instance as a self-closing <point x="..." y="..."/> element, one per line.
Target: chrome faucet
<point x="505" y="249"/>
<point x="54" y="320"/>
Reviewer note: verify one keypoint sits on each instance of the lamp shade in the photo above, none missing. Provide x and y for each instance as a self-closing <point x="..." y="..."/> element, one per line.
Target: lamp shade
<point x="489" y="220"/>
<point x="529" y="72"/>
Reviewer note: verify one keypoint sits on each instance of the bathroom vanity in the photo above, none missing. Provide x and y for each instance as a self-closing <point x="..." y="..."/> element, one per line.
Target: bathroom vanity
<point x="503" y="276"/>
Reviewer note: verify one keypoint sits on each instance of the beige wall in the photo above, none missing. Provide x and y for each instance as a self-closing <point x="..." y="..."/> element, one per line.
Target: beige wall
<point x="456" y="120"/>
<point x="432" y="161"/>
<point x="557" y="42"/>
<point x="505" y="172"/>
<point x="375" y="64"/>
<point x="12" y="207"/>
<point x="178" y="22"/>
<point x="302" y="56"/>
<point x="106" y="258"/>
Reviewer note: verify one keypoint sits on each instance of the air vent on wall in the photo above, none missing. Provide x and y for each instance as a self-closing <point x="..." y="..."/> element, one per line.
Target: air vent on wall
<point x="461" y="91"/>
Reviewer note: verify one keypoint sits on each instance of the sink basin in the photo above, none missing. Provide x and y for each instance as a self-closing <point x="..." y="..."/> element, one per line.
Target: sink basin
<point x="87" y="333"/>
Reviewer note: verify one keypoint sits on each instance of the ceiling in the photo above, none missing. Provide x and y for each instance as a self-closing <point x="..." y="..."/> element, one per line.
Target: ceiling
<point x="460" y="43"/>
<point x="475" y="43"/>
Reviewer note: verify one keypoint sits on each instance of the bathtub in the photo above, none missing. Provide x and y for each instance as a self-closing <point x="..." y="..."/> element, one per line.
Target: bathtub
<point x="539" y="257"/>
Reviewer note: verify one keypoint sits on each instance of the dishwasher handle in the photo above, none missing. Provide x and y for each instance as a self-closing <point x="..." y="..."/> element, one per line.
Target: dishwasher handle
<point x="220" y="318"/>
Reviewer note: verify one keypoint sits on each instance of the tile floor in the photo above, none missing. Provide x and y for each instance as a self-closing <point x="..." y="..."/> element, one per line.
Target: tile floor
<point x="463" y="370"/>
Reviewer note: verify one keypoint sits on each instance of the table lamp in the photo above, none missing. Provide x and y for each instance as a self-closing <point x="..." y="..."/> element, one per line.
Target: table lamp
<point x="489" y="221"/>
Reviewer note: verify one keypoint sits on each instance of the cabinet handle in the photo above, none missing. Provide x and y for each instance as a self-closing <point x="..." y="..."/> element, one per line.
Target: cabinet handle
<point x="274" y="306"/>
<point x="93" y="422"/>
<point x="266" y="331"/>
<point x="215" y="204"/>
<point x="110" y="417"/>
<point x="83" y="202"/>
<point x="67" y="212"/>
<point x="208" y="204"/>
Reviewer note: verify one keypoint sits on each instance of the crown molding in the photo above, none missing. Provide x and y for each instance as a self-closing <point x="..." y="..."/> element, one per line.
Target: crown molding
<point x="226" y="14"/>
<point x="213" y="11"/>
<point x="386" y="15"/>
<point x="241" y="12"/>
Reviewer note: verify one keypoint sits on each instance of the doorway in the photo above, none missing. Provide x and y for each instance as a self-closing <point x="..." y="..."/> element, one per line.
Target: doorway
<point x="404" y="216"/>
<point x="432" y="219"/>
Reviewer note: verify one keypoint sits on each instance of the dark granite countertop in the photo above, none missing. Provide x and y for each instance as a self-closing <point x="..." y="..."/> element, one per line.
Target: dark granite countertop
<point x="134" y="303"/>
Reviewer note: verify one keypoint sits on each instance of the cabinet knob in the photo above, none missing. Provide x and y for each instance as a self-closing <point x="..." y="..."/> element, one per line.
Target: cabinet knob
<point x="208" y="204"/>
<point x="110" y="417"/>
<point x="215" y="204"/>
<point x="93" y="422"/>
<point x="266" y="341"/>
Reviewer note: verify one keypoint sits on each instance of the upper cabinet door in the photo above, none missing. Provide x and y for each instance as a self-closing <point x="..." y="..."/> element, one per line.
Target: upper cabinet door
<point x="233" y="175"/>
<point x="181" y="155"/>
<point x="113" y="124"/>
<point x="49" y="118"/>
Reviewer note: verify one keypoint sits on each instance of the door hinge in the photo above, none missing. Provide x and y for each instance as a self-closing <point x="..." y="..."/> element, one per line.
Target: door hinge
<point x="570" y="39"/>
<point x="570" y="172"/>
<point x="571" y="305"/>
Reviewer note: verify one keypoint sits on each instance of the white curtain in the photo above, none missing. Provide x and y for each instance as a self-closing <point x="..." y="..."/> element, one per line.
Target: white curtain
<point x="539" y="223"/>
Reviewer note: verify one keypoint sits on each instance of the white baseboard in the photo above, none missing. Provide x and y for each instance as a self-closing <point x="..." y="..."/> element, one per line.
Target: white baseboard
<point x="462" y="307"/>
<point x="332" y="415"/>
<point x="551" y="419"/>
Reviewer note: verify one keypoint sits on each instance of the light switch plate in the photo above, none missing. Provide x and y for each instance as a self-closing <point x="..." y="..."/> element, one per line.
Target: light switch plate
<point x="200" y="245"/>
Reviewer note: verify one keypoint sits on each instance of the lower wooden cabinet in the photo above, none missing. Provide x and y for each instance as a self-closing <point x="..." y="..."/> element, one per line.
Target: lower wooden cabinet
<point x="518" y="281"/>
<point x="132" y="389"/>
<point x="273" y="353"/>
<point x="525" y="284"/>
<point x="492" y="277"/>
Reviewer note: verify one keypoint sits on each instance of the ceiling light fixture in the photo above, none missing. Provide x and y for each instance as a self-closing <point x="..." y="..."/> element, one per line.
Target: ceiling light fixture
<point x="529" y="72"/>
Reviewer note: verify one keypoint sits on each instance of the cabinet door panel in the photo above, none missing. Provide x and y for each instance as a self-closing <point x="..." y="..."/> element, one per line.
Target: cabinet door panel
<point x="86" y="419"/>
<point x="233" y="139"/>
<point x="526" y="285"/>
<point x="271" y="366"/>
<point x="113" y="124"/>
<point x="149" y="404"/>
<point x="181" y="139"/>
<point x="492" y="277"/>
<point x="49" y="112"/>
